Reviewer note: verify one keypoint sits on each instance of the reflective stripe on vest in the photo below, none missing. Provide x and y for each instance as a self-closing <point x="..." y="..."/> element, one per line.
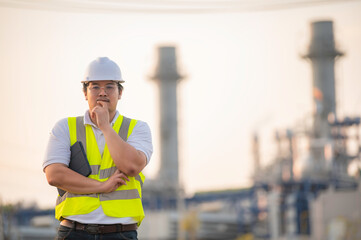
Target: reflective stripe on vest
<point x="126" y="200"/>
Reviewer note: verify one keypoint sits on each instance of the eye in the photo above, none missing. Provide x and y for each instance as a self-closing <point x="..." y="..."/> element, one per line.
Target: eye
<point x="95" y="87"/>
<point x="110" y="87"/>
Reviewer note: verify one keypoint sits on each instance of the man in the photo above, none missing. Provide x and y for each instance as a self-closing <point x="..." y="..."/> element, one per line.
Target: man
<point x="106" y="204"/>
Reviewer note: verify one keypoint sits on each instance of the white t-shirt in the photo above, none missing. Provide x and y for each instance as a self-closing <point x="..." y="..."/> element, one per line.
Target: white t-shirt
<point x="58" y="151"/>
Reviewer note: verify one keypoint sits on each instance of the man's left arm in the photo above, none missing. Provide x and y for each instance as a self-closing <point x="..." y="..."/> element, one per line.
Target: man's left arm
<point x="127" y="159"/>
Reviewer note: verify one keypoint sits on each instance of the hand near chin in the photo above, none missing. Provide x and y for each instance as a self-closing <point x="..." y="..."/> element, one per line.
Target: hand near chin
<point x="100" y="114"/>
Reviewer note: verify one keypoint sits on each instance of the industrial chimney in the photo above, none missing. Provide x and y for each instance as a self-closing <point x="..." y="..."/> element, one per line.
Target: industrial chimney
<point x="322" y="54"/>
<point x="167" y="76"/>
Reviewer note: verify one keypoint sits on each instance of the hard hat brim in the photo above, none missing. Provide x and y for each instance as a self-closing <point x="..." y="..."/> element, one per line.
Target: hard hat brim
<point x="86" y="81"/>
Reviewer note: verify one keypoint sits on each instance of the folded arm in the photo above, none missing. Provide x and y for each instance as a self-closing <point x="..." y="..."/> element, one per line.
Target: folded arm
<point x="127" y="159"/>
<point x="59" y="175"/>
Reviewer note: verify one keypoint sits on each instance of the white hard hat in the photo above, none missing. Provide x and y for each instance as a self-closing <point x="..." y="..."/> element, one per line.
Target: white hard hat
<point x="102" y="69"/>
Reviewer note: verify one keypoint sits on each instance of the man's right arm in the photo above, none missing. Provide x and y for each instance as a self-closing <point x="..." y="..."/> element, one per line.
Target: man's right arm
<point x="59" y="175"/>
<point x="56" y="161"/>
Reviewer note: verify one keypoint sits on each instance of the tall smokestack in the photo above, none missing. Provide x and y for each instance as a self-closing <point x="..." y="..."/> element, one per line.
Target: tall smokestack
<point x="322" y="53"/>
<point x="167" y="77"/>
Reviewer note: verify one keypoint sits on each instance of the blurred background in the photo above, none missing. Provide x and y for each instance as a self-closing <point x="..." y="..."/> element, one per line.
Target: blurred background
<point x="254" y="108"/>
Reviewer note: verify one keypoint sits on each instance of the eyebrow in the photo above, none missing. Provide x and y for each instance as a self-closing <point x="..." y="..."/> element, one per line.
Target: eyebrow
<point x="112" y="83"/>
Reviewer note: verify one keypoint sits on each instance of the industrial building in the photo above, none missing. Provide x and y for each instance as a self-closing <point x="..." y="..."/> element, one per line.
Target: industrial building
<point x="318" y="200"/>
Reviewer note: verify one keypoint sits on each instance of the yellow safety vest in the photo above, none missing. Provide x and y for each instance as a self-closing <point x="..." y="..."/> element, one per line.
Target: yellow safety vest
<point x="126" y="200"/>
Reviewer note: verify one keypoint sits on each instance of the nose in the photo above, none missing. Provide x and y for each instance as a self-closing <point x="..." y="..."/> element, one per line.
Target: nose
<point x="102" y="91"/>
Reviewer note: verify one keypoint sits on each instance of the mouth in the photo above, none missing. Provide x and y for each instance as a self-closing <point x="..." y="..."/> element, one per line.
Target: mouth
<point x="103" y="100"/>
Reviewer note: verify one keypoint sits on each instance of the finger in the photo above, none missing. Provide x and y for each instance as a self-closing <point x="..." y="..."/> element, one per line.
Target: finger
<point x="94" y="112"/>
<point x="99" y="103"/>
<point x="102" y="103"/>
<point x="96" y="108"/>
<point x="118" y="174"/>
<point x="122" y="182"/>
<point x="125" y="177"/>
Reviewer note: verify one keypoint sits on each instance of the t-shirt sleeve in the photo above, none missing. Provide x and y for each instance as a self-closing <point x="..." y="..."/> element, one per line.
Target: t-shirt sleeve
<point x="141" y="139"/>
<point x="58" y="147"/>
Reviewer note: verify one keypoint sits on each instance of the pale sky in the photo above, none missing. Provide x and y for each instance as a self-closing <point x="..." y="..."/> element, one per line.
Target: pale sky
<point x="243" y="74"/>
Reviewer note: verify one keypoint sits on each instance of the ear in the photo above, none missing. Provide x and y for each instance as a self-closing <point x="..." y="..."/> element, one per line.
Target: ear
<point x="86" y="95"/>
<point x="120" y="95"/>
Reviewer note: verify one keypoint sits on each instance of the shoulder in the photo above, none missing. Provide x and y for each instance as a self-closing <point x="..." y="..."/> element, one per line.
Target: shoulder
<point x="137" y="126"/>
<point x="64" y="123"/>
<point x="141" y="133"/>
<point x="141" y="130"/>
<point x="61" y="125"/>
<point x="141" y="126"/>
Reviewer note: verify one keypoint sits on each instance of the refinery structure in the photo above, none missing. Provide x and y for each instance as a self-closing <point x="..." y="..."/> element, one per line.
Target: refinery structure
<point x="319" y="201"/>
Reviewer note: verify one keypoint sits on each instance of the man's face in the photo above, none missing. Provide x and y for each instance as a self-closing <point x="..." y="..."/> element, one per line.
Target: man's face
<point x="105" y="91"/>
